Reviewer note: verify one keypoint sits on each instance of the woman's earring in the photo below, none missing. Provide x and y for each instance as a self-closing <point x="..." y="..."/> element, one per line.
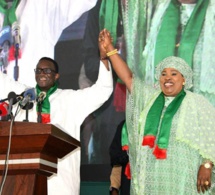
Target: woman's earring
<point x="183" y="83"/>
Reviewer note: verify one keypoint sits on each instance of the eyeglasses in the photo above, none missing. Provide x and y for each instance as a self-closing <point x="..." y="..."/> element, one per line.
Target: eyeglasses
<point x="44" y="70"/>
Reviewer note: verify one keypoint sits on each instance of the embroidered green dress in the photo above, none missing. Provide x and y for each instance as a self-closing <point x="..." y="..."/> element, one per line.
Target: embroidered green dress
<point x="191" y="140"/>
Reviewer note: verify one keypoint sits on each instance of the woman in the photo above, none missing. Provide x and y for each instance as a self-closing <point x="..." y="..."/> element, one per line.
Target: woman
<point x="150" y="26"/>
<point x="170" y="129"/>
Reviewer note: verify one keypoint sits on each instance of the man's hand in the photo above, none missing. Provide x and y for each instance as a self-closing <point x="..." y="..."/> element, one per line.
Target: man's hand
<point x="114" y="192"/>
<point x="105" y="43"/>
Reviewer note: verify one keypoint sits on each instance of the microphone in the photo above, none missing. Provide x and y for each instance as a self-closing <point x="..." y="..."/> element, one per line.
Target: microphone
<point x="29" y="95"/>
<point x="11" y="95"/>
<point x="16" y="35"/>
<point x="16" y="42"/>
<point x="41" y="97"/>
<point x="3" y="109"/>
<point x="12" y="100"/>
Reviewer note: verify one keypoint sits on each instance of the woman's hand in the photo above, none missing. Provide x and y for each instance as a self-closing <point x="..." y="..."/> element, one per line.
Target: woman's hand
<point x="204" y="178"/>
<point x="105" y="43"/>
<point x="118" y="64"/>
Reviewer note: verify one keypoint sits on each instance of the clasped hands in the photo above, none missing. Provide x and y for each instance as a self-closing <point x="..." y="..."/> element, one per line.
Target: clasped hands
<point x="105" y="42"/>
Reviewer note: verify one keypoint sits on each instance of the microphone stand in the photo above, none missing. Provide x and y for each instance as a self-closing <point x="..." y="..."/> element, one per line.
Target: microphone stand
<point x="16" y="67"/>
<point x="10" y="114"/>
<point x="28" y="106"/>
<point x="39" y="118"/>
<point x="26" y="113"/>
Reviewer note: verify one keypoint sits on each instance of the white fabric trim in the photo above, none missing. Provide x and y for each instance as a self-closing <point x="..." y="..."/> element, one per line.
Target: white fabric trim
<point x="30" y="161"/>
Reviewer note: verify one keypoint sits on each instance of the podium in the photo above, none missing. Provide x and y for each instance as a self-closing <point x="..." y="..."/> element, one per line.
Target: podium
<point x="35" y="149"/>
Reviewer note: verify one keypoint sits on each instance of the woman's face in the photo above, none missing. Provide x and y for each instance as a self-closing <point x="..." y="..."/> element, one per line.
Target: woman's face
<point x="171" y="81"/>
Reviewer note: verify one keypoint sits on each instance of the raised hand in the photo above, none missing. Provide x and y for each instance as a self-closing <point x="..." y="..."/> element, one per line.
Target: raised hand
<point x="107" y="51"/>
<point x="105" y="43"/>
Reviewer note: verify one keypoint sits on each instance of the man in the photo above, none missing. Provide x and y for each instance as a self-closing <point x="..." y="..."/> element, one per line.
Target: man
<point x="65" y="109"/>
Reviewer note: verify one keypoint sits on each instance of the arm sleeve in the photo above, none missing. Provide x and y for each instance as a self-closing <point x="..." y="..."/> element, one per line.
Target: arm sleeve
<point x="93" y="97"/>
<point x="115" y="177"/>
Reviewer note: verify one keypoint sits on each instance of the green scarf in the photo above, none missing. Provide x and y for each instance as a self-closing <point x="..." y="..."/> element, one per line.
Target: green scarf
<point x="124" y="137"/>
<point x="108" y="17"/>
<point x="168" y="34"/>
<point x="3" y="6"/>
<point x="124" y="143"/>
<point x="153" y="121"/>
<point x="46" y="103"/>
<point x="10" y="14"/>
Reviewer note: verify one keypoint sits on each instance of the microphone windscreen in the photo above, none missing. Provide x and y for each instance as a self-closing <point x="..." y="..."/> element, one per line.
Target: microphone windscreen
<point x="31" y="93"/>
<point x="41" y="96"/>
<point x="3" y="109"/>
<point x="12" y="96"/>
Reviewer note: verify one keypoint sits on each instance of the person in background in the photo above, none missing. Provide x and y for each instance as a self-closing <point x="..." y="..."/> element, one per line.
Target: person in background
<point x="185" y="28"/>
<point x="66" y="109"/>
<point x="170" y="134"/>
<point x="119" y="182"/>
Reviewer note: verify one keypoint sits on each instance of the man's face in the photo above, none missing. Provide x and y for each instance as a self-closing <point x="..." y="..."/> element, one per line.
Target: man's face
<point x="45" y="80"/>
<point x="171" y="82"/>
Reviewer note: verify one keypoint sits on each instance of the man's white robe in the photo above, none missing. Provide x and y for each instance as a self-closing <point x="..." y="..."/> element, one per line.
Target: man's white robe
<point x="69" y="108"/>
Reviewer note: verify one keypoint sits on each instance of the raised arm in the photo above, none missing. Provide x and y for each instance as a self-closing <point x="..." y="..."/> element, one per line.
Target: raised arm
<point x="107" y="53"/>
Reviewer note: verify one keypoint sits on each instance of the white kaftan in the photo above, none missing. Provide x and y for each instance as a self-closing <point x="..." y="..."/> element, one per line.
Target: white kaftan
<point x="69" y="108"/>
